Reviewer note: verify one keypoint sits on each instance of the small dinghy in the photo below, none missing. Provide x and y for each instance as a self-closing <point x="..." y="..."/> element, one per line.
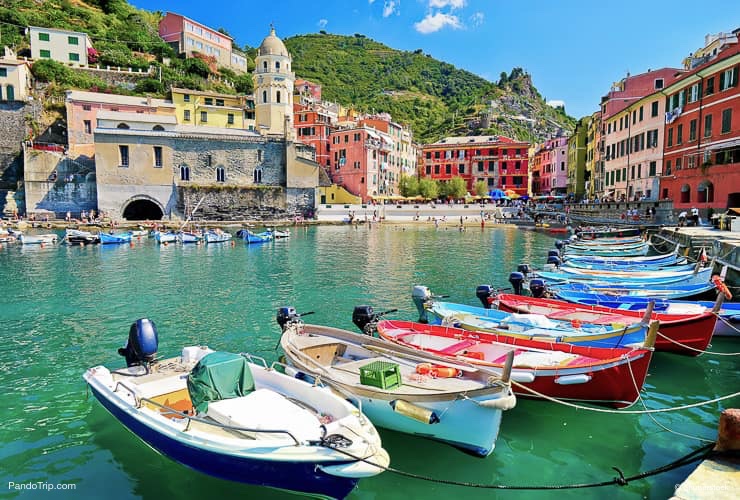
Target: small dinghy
<point x="234" y="417"/>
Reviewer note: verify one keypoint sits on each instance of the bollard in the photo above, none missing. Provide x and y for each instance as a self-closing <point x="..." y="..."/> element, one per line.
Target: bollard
<point x="728" y="438"/>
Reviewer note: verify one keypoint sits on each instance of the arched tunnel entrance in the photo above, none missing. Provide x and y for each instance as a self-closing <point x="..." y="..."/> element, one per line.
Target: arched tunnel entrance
<point x="142" y="210"/>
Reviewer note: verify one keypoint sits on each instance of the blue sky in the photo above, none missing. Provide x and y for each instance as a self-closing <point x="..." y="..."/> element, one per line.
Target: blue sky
<point x="574" y="50"/>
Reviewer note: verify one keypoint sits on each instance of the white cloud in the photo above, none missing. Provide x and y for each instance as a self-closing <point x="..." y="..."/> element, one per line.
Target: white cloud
<point x="436" y="22"/>
<point x="322" y="23"/>
<point x="477" y="19"/>
<point x="556" y="103"/>
<point x="370" y="1"/>
<point x="453" y="4"/>
<point x="390" y="6"/>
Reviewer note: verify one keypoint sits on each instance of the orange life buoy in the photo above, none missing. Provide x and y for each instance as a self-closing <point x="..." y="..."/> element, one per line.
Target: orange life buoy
<point x="445" y="372"/>
<point x="423" y="368"/>
<point x="721" y="287"/>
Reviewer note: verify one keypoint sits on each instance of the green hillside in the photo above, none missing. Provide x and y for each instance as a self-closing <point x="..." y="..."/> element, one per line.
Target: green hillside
<point x="433" y="97"/>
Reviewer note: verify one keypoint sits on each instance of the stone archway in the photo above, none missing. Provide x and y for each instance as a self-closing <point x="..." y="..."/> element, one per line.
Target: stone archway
<point x="143" y="208"/>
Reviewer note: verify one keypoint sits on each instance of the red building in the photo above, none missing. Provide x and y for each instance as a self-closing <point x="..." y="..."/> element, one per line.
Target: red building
<point x="498" y="161"/>
<point x="702" y="135"/>
<point x="313" y="127"/>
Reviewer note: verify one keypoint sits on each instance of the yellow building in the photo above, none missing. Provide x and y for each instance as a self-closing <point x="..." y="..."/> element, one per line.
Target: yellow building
<point x="210" y="109"/>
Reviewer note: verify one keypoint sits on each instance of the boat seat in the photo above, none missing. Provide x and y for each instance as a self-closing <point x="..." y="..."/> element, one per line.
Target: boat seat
<point x="265" y="409"/>
<point x="458" y="346"/>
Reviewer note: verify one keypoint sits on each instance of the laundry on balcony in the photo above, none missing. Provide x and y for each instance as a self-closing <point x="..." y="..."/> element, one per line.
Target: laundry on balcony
<point x="670" y="116"/>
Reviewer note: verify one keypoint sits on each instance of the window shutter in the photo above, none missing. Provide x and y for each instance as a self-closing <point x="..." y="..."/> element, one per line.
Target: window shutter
<point x="734" y="77"/>
<point x="698" y="93"/>
<point x="721" y="80"/>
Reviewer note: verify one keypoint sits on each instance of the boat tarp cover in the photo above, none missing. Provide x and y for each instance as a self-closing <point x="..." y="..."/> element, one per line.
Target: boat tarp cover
<point x="219" y="375"/>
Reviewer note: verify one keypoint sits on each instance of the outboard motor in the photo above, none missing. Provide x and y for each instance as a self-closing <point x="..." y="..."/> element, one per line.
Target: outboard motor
<point x="559" y="244"/>
<point x="524" y="269"/>
<point x="362" y="316"/>
<point x="421" y="295"/>
<point x="554" y="260"/>
<point x="516" y="279"/>
<point x="485" y="294"/>
<point x="141" y="348"/>
<point x="550" y="253"/>
<point x="537" y="287"/>
<point x="285" y="315"/>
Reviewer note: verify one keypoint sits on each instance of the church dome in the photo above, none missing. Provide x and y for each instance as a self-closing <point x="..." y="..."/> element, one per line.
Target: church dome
<point x="272" y="45"/>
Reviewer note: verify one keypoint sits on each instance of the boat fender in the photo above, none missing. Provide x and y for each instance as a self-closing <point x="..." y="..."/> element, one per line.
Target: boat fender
<point x="437" y="371"/>
<point x="503" y="403"/>
<point x="581" y="378"/>
<point x="522" y="377"/>
<point x="411" y="410"/>
<point x="721" y="287"/>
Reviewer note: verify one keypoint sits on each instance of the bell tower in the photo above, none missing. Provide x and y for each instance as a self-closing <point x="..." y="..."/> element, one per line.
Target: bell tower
<point x="273" y="88"/>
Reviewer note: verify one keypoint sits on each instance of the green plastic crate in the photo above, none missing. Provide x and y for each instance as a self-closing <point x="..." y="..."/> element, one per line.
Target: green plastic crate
<point x="381" y="374"/>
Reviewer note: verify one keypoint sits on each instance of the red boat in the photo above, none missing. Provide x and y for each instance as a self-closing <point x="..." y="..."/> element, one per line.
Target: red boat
<point x="687" y="334"/>
<point x="605" y="376"/>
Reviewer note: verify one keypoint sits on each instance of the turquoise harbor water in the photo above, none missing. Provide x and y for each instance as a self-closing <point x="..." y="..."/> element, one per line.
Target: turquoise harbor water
<point x="64" y="309"/>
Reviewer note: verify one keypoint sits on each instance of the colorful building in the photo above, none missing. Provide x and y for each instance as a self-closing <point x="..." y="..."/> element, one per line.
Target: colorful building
<point x="359" y="162"/>
<point x="68" y="47"/>
<point x="82" y="114"/>
<point x="593" y="175"/>
<point x="499" y="162"/>
<point x="702" y="135"/>
<point x="550" y="170"/>
<point x="210" y="109"/>
<point x="187" y="37"/>
<point x="15" y="77"/>
<point x="576" y="164"/>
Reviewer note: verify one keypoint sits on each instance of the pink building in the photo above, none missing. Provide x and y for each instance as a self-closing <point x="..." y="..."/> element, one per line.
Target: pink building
<point x="308" y="89"/>
<point x="550" y="167"/>
<point x="187" y="36"/>
<point x="359" y="162"/>
<point x="82" y="110"/>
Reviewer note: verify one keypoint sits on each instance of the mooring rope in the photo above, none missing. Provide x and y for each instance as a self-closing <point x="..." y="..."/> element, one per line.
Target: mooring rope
<point x="621" y="480"/>
<point x="727" y="322"/>
<point x="684" y="346"/>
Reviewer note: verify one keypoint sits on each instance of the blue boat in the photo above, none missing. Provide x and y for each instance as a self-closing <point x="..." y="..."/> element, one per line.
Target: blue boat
<point x="661" y="260"/>
<point x="114" y="239"/>
<point x="252" y="238"/>
<point x="186" y="237"/>
<point x="572" y="275"/>
<point x="526" y="326"/>
<point x="234" y="417"/>
<point x="647" y="290"/>
<point x="216" y="236"/>
<point x="168" y="237"/>
<point x="729" y="315"/>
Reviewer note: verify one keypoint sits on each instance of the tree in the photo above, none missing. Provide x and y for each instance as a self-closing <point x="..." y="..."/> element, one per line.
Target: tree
<point x="429" y="189"/>
<point x="408" y="185"/>
<point x="456" y="187"/>
<point x="481" y="188"/>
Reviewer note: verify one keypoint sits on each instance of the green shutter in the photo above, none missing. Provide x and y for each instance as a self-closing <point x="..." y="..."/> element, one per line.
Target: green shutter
<point x="721" y="80"/>
<point x="734" y="77"/>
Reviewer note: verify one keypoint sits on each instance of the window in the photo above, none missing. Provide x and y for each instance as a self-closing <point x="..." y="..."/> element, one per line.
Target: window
<point x="707" y="125"/>
<point x="220" y="174"/>
<point x="461" y="168"/>
<point x="726" y="120"/>
<point x="480" y="166"/>
<point x="74" y="57"/>
<point x="209" y="101"/>
<point x="634" y="117"/>
<point x="728" y="78"/>
<point x="448" y="169"/>
<point x="204" y="117"/>
<point x="158" y="128"/>
<point x="257" y="175"/>
<point x="641" y="110"/>
<point x="264" y="65"/>
<point x="264" y="96"/>
<point x="653" y="169"/>
<point x="45" y="54"/>
<point x="436" y="170"/>
<point x="678" y="163"/>
<point x="88" y="126"/>
<point x="123" y="126"/>
<point x="73" y="40"/>
<point x="692" y="130"/>
<point x="668" y="167"/>
<point x="184" y="173"/>
<point x="230" y="118"/>
<point x="186" y="116"/>
<point x="278" y="97"/>
<point x="695" y="92"/>
<point x="86" y="107"/>
<point x="3" y="72"/>
<point x="186" y="97"/>
<point x="670" y="137"/>
<point x="123" y="156"/>
<point x="658" y="83"/>
<point x="679" y="134"/>
<point x="277" y="65"/>
<point x="654" y="109"/>
<point x="710" y="86"/>
<point x="44" y="37"/>
<point x="158" y="156"/>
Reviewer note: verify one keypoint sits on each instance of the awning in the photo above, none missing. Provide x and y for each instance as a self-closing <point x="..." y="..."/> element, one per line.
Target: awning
<point x="722" y="145"/>
<point x="372" y="134"/>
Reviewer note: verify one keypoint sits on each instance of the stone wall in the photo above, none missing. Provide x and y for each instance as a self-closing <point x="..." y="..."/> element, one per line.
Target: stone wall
<point x="231" y="203"/>
<point x="13" y="131"/>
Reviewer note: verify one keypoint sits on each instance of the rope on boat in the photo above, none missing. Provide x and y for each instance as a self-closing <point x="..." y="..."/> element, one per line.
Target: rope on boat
<point x="727" y="322"/>
<point x="655" y="421"/>
<point x="694" y="456"/>
<point x="622" y="412"/>
<point x="684" y="346"/>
